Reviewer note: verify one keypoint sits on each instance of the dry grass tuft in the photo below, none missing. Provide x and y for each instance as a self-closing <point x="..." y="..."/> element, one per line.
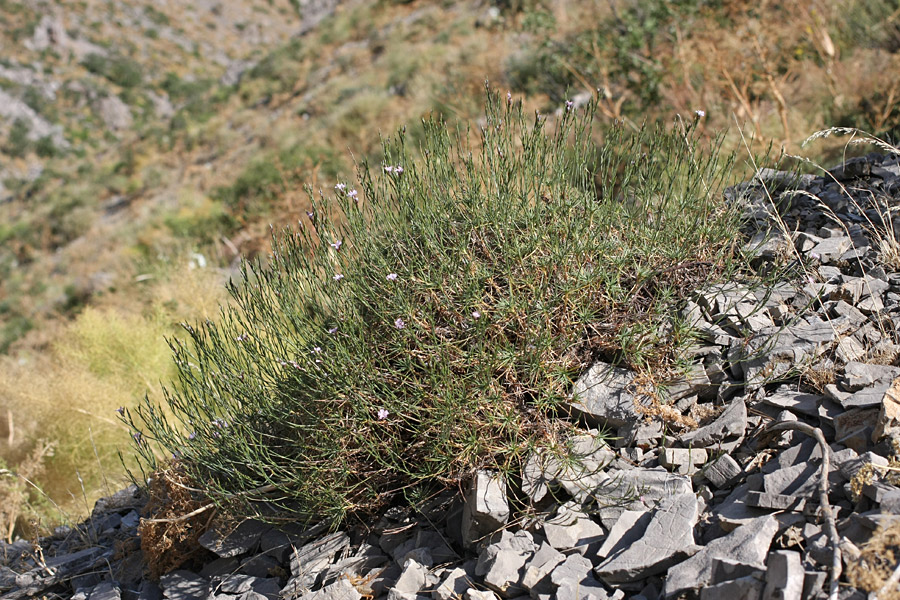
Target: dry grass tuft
<point x="877" y="561"/>
<point x="168" y="540"/>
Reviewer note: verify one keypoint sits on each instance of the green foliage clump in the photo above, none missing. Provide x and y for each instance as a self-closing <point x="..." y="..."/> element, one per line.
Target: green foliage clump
<point x="120" y="70"/>
<point x="431" y="321"/>
<point x="17" y="143"/>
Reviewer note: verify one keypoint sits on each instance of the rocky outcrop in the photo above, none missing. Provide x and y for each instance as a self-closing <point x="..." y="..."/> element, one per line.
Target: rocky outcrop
<point x="735" y="507"/>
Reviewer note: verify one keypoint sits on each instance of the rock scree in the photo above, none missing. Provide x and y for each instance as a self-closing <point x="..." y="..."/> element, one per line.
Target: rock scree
<point x="731" y="509"/>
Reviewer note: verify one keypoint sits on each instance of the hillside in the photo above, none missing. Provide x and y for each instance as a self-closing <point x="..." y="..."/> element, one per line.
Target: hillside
<point x="147" y="146"/>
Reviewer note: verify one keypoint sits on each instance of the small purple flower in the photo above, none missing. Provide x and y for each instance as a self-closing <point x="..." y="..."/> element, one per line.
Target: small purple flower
<point x="569" y="105"/>
<point x="508" y="98"/>
<point x="398" y="170"/>
<point x="383" y="414"/>
<point x="338" y="277"/>
<point x="814" y="256"/>
<point x="336" y="245"/>
<point x="340" y="187"/>
<point x="137" y="436"/>
<point x="389" y="169"/>
<point x="121" y="411"/>
<point x="317" y="349"/>
<point x="700" y="113"/>
<point x="332" y="331"/>
<point x="476" y="314"/>
<point x="242" y="337"/>
<point x="392" y="277"/>
<point x="352" y="194"/>
<point x="192" y="435"/>
<point x="399" y="324"/>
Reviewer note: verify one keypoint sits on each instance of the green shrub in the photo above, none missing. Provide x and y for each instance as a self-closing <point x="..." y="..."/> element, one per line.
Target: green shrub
<point x="432" y="321"/>
<point x="17" y="143"/>
<point x="120" y="70"/>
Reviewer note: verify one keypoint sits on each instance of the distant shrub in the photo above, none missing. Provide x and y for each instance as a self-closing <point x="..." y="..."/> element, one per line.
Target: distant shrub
<point x="17" y="143"/>
<point x="45" y="147"/>
<point x="119" y="70"/>
<point x="431" y="320"/>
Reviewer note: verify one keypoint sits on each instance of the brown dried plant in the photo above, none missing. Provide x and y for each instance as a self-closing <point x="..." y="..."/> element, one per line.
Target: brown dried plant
<point x="170" y="533"/>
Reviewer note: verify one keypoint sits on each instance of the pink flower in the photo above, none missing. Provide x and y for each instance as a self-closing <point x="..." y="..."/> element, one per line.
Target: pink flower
<point x="399" y="324"/>
<point x="383" y="414"/>
<point x="392" y="277"/>
<point x="338" y="277"/>
<point x="336" y="245"/>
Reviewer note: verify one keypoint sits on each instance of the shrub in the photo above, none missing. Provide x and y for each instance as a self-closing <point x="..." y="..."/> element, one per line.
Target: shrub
<point x="432" y="321"/>
<point x="120" y="70"/>
<point x="17" y="142"/>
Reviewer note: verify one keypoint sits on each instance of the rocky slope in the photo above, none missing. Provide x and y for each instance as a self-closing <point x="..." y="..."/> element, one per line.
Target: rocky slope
<point x="785" y="489"/>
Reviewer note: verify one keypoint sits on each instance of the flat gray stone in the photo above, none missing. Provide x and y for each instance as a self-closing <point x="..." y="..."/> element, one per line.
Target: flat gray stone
<point x="776" y="501"/>
<point x="234" y="542"/>
<point x="887" y="422"/>
<point x="722" y="471"/>
<point x="184" y="585"/>
<point x="748" y="544"/>
<point x="801" y="480"/>
<point x="538" y="568"/>
<point x="603" y="396"/>
<point x="308" y="561"/>
<point x="341" y="589"/>
<point x="628" y="529"/>
<point x="102" y="591"/>
<point x="640" y="487"/>
<point x="570" y="529"/>
<point x="502" y="564"/>
<point x="724" y="569"/>
<point x="573" y="580"/>
<point x="685" y="461"/>
<point x="796" y="402"/>
<point x="453" y="585"/>
<point x="486" y="509"/>
<point x="869" y="397"/>
<point x="668" y="538"/>
<point x="775" y="352"/>
<point x="784" y="576"/>
<point x="732" y="422"/>
<point x="412" y="580"/>
<point x="858" y="375"/>
<point x="743" y="588"/>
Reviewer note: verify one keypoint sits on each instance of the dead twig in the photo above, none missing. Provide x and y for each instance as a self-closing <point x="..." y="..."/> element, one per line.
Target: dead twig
<point x="828" y="514"/>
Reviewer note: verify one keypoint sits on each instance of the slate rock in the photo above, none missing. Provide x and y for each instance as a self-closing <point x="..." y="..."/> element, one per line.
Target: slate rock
<point x="784" y="576"/>
<point x="342" y="589"/>
<point x="724" y="569"/>
<point x="732" y="422"/>
<point x="603" y="396"/>
<point x="453" y="585"/>
<point x="412" y="580"/>
<point x="628" y="529"/>
<point x="685" y="461"/>
<point x="722" y="471"/>
<point x="236" y="541"/>
<point x="106" y="590"/>
<point x="747" y="544"/>
<point x="572" y="528"/>
<point x="668" y="537"/>
<point x="486" y="508"/>
<point x="573" y="580"/>
<point x="743" y="588"/>
<point x="538" y="568"/>
<point x="887" y="422"/>
<point x="184" y="585"/>
<point x="502" y="564"/>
